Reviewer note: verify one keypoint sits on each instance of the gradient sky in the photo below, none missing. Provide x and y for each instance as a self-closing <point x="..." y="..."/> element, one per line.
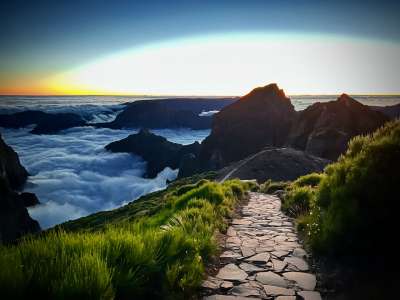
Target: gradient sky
<point x="198" y="47"/>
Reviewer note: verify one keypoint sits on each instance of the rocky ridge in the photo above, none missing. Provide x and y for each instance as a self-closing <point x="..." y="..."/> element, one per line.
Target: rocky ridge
<point x="46" y="123"/>
<point x="266" y="118"/>
<point x="157" y="151"/>
<point x="168" y="113"/>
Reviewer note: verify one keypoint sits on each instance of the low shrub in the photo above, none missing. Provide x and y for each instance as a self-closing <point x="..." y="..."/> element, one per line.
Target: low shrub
<point x="355" y="202"/>
<point x="270" y="186"/>
<point x="297" y="200"/>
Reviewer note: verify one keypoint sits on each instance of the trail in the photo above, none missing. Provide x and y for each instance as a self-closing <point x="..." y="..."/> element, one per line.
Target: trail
<point x="262" y="257"/>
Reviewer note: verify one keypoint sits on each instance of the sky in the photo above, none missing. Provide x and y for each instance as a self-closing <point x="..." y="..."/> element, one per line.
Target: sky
<point x="199" y="47"/>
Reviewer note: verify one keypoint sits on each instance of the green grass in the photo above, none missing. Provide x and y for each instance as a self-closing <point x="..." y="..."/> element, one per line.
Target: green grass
<point x="155" y="247"/>
<point x="351" y="208"/>
<point x="270" y="186"/>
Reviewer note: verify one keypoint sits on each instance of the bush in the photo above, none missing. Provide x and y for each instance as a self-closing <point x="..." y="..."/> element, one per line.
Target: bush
<point x="297" y="200"/>
<point x="355" y="204"/>
<point x="270" y="186"/>
<point x="155" y="256"/>
<point x="311" y="180"/>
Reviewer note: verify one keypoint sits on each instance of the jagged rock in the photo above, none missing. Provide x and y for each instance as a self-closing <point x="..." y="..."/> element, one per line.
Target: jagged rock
<point x="245" y="291"/>
<point x="212" y="283"/>
<point x="270" y="278"/>
<point x="271" y="290"/>
<point x="45" y="122"/>
<point x="324" y="129"/>
<point x="297" y="262"/>
<point x="261" y="118"/>
<point x="232" y="272"/>
<point x="262" y="258"/>
<point x="14" y="218"/>
<point x="29" y="199"/>
<point x="298" y="252"/>
<point x="304" y="280"/>
<point x="10" y="166"/>
<point x="278" y="265"/>
<point x="307" y="295"/>
<point x="156" y="150"/>
<point x="249" y="268"/>
<point x="168" y="113"/>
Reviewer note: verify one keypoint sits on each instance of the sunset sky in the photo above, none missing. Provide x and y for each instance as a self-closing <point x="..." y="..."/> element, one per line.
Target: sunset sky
<point x="199" y="47"/>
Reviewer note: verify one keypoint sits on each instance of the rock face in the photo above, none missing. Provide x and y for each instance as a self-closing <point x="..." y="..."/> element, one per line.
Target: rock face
<point x="168" y="113"/>
<point x="261" y="118"/>
<point x="10" y="166"/>
<point x="266" y="118"/>
<point x="156" y="150"/>
<point x="324" y="129"/>
<point x="29" y="199"/>
<point x="277" y="164"/>
<point x="14" y="218"/>
<point x="45" y="123"/>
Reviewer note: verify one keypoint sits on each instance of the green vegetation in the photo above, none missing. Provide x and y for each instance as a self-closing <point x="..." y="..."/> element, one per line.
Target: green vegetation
<point x="154" y="247"/>
<point x="299" y="195"/>
<point x="270" y="186"/>
<point x="351" y="208"/>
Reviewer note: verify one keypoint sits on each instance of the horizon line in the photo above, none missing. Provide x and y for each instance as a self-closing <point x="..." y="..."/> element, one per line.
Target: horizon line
<point x="187" y="96"/>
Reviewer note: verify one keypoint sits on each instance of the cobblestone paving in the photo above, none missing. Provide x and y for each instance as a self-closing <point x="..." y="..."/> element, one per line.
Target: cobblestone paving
<point x="263" y="258"/>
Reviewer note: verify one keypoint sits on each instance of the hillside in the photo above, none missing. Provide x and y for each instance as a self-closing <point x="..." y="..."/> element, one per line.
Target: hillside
<point x="155" y="247"/>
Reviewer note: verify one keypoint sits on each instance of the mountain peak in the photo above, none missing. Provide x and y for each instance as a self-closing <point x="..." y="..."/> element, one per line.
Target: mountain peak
<point x="271" y="89"/>
<point x="347" y="100"/>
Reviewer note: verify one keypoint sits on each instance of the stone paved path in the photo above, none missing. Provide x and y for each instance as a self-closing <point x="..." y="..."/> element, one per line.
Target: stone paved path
<point x="263" y="258"/>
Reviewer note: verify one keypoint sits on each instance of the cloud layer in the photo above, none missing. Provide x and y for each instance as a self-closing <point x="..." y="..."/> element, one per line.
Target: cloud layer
<point x="74" y="176"/>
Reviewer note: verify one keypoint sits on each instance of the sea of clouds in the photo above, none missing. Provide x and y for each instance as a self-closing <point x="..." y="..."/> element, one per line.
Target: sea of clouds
<point x="74" y="176"/>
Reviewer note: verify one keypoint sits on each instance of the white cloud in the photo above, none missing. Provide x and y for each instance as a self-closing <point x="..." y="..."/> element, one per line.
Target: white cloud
<point x="208" y="113"/>
<point x="74" y="176"/>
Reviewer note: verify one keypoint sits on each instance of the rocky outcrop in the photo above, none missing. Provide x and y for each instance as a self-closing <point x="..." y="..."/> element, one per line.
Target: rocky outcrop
<point x="266" y="117"/>
<point x="157" y="151"/>
<point x="14" y="218"/>
<point x="324" y="129"/>
<point x="10" y="167"/>
<point x="168" y="113"/>
<point x="277" y="164"/>
<point x="46" y="123"/>
<point x="261" y="118"/>
<point x="392" y="111"/>
<point x="29" y="199"/>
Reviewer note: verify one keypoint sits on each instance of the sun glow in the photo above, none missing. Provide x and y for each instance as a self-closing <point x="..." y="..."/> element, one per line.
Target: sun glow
<point x="235" y="63"/>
